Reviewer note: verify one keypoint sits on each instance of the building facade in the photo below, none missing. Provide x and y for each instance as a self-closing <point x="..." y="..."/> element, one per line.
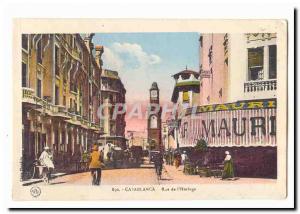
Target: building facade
<point x="60" y="87"/>
<point x="113" y="100"/>
<point x="237" y="110"/>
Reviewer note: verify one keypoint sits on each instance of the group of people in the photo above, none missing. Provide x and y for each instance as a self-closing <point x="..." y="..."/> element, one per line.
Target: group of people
<point x="94" y="159"/>
<point x="96" y="163"/>
<point x="175" y="158"/>
<point x="178" y="159"/>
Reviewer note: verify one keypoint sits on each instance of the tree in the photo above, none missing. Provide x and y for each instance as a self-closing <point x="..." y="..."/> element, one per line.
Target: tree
<point x="201" y="145"/>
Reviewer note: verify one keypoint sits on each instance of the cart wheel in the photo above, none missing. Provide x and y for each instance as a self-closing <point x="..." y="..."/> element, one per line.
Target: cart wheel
<point x="45" y="178"/>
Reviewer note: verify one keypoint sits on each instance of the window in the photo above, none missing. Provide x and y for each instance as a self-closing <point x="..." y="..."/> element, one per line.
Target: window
<point x="39" y="52"/>
<point x="201" y="41"/>
<point x="56" y="57"/>
<point x="71" y="103"/>
<point x="210" y="54"/>
<point x="64" y="100"/>
<point x="184" y="131"/>
<point x="255" y="63"/>
<point x="63" y="140"/>
<point x="220" y="93"/>
<point x="153" y="122"/>
<point x="272" y="62"/>
<point x="185" y="97"/>
<point x="56" y="95"/>
<point x="39" y="88"/>
<point x="25" y="41"/>
<point x="24" y="74"/>
<point x="56" y="139"/>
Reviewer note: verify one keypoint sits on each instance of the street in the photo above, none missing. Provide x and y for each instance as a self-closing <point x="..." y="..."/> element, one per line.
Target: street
<point x="146" y="175"/>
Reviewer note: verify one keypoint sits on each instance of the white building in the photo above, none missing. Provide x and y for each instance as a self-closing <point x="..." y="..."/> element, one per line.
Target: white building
<point x="252" y="66"/>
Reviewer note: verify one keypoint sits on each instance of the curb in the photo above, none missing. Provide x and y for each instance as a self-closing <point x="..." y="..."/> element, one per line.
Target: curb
<point x="41" y="180"/>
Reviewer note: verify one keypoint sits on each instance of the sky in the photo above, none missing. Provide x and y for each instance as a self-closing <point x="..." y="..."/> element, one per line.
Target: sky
<point x="144" y="58"/>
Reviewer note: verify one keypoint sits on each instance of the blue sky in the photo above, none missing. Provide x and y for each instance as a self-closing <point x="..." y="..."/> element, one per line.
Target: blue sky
<point x="141" y="58"/>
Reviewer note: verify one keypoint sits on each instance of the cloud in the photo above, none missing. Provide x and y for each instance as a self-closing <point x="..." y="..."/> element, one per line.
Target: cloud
<point x="121" y="55"/>
<point x="112" y="60"/>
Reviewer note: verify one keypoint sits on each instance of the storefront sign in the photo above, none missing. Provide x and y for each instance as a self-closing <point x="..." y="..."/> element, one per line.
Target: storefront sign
<point x="255" y="125"/>
<point x="241" y="105"/>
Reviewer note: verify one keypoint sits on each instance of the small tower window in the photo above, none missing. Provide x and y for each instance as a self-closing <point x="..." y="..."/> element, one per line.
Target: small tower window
<point x="185" y="97"/>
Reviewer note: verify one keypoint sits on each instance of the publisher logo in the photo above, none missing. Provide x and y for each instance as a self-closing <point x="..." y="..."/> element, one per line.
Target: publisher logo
<point x="35" y="191"/>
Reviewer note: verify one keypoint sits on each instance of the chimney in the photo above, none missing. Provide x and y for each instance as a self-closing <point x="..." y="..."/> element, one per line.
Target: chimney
<point x="99" y="51"/>
<point x="88" y="41"/>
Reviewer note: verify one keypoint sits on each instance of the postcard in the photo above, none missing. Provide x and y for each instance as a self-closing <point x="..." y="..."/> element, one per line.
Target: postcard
<point x="131" y="109"/>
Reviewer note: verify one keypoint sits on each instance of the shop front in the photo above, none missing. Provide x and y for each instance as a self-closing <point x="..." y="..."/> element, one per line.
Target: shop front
<point x="247" y="129"/>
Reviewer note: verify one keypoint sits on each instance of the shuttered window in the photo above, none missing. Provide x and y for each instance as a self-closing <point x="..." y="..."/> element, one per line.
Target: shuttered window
<point x="185" y="97"/>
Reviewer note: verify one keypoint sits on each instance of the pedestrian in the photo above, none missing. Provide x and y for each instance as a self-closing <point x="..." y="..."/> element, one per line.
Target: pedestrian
<point x="228" y="171"/>
<point x="177" y="160"/>
<point x="183" y="157"/>
<point x="84" y="160"/>
<point x="102" y="155"/>
<point x="158" y="162"/>
<point x="172" y="158"/>
<point x="95" y="165"/>
<point x="114" y="158"/>
<point x="46" y="160"/>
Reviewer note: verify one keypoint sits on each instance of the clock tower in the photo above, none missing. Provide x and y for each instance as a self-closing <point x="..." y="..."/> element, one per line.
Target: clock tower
<point x="154" y="119"/>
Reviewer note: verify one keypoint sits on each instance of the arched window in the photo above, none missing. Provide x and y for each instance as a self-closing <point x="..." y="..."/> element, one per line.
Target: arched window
<point x="153" y="122"/>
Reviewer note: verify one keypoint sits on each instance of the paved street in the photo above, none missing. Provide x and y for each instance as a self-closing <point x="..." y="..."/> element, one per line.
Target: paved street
<point x="138" y="176"/>
<point x="146" y="175"/>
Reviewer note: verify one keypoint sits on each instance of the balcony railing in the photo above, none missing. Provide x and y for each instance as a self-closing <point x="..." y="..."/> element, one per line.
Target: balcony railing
<point x="261" y="85"/>
<point x="28" y="93"/>
<point x="29" y="96"/>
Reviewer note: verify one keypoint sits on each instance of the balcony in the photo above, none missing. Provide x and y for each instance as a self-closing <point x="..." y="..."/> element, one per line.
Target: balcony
<point x="28" y="95"/>
<point x="261" y="85"/>
<point x="60" y="111"/>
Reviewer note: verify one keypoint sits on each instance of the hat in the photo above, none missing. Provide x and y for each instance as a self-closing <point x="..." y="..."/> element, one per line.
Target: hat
<point x="46" y="147"/>
<point x="95" y="147"/>
<point x="227" y="153"/>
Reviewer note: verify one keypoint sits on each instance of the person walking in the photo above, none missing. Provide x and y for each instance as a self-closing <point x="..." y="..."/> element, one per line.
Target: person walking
<point x="95" y="165"/>
<point x="177" y="160"/>
<point x="158" y="162"/>
<point x="183" y="159"/>
<point x="228" y="171"/>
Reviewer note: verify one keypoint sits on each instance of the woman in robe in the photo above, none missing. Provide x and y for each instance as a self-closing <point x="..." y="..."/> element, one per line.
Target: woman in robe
<point x="228" y="171"/>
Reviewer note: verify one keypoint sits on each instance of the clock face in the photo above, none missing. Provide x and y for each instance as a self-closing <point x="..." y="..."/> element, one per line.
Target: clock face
<point x="153" y="94"/>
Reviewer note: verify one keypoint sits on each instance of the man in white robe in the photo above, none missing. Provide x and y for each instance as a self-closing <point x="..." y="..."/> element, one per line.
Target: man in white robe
<point x="46" y="158"/>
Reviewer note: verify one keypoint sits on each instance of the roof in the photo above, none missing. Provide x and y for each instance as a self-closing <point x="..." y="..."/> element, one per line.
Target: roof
<point x="187" y="85"/>
<point x="154" y="86"/>
<point x="110" y="74"/>
<point x="186" y="71"/>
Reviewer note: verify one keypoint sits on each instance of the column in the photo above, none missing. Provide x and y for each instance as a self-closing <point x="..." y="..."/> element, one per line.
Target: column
<point x="266" y="62"/>
<point x="59" y="136"/>
<point x="73" y="131"/>
<point x="52" y="137"/>
<point x="86" y="142"/>
<point x="66" y="138"/>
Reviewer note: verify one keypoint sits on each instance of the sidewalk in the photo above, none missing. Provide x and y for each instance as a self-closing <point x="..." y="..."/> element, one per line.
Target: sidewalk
<point x="171" y="175"/>
<point x="39" y="180"/>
